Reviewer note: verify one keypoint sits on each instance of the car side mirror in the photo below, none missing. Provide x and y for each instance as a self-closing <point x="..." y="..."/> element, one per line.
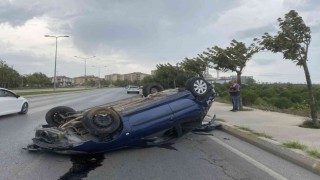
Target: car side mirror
<point x="17" y="96"/>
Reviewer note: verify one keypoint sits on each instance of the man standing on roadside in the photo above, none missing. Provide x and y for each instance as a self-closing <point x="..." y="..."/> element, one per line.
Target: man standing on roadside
<point x="234" y="91"/>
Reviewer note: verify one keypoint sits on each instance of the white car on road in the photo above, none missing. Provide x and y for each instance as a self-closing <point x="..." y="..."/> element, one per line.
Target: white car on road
<point x="133" y="89"/>
<point x="12" y="103"/>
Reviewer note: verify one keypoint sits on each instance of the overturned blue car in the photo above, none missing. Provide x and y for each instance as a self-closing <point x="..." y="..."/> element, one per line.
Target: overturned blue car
<point x="155" y="119"/>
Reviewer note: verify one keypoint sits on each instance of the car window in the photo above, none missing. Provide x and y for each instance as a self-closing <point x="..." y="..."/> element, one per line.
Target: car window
<point x="4" y="93"/>
<point x="133" y="87"/>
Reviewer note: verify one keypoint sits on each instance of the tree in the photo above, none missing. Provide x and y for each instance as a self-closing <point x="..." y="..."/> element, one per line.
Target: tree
<point x="196" y="65"/>
<point x="38" y="80"/>
<point x="104" y="83"/>
<point x="293" y="42"/>
<point x="233" y="58"/>
<point x="168" y="73"/>
<point x="9" y="77"/>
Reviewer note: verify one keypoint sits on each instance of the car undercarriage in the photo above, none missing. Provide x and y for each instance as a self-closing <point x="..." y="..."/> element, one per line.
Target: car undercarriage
<point x="139" y="121"/>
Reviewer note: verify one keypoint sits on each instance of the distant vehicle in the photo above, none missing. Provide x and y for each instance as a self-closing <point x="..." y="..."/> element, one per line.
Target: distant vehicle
<point x="133" y="89"/>
<point x="152" y="120"/>
<point x="12" y="103"/>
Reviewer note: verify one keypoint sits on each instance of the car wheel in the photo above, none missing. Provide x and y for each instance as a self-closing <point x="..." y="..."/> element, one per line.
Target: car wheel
<point x="101" y="121"/>
<point x="151" y="88"/>
<point x="58" y="115"/>
<point x="197" y="86"/>
<point x="24" y="108"/>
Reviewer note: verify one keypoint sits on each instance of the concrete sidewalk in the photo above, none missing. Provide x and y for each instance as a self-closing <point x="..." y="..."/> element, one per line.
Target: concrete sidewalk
<point x="280" y="126"/>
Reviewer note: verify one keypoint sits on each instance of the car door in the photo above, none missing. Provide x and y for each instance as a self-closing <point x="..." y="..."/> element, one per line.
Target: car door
<point x="9" y="102"/>
<point x="154" y="118"/>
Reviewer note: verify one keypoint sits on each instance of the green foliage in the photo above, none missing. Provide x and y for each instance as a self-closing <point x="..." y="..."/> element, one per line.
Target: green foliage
<point x="195" y="66"/>
<point x="293" y="40"/>
<point x="232" y="58"/>
<point x="314" y="153"/>
<point x="283" y="103"/>
<point x="104" y="83"/>
<point x="294" y="145"/>
<point x="272" y="96"/>
<point x="37" y="80"/>
<point x="9" y="77"/>
<point x="167" y="74"/>
<point x="309" y="124"/>
<point x="249" y="97"/>
<point x="254" y="132"/>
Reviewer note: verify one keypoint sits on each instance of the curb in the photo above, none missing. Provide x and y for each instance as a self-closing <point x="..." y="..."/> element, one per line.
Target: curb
<point x="275" y="148"/>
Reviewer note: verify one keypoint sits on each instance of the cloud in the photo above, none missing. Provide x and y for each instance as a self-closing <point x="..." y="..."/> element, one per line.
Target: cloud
<point x="128" y="36"/>
<point x="16" y="14"/>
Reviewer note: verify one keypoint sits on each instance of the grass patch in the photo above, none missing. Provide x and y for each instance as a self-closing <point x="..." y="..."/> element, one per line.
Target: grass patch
<point x="314" y="153"/>
<point x="262" y="135"/>
<point x="294" y="145"/>
<point x="297" y="145"/>
<point x="309" y="124"/>
<point x="254" y="132"/>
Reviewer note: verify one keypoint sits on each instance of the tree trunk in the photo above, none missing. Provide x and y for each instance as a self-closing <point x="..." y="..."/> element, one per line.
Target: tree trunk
<point x="239" y="82"/>
<point x="313" y="109"/>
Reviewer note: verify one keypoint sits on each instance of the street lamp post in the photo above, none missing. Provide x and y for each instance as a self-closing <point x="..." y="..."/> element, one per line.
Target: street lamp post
<point x="85" y="66"/>
<point x="55" y="59"/>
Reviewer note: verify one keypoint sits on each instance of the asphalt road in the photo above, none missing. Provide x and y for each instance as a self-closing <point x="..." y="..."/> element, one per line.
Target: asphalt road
<point x="216" y="156"/>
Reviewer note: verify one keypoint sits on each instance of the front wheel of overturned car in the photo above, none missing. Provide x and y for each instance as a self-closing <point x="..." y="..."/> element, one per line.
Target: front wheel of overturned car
<point x="151" y="88"/>
<point x="197" y="86"/>
<point x="58" y="115"/>
<point x="101" y="121"/>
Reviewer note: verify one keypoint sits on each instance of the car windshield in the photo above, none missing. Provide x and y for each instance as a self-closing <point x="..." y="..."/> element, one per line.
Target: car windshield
<point x="133" y="87"/>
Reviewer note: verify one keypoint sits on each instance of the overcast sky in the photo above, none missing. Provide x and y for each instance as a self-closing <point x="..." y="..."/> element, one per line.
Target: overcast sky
<point x="135" y="35"/>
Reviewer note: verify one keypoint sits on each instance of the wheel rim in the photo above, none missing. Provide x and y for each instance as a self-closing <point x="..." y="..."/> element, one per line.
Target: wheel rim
<point x="58" y="119"/>
<point x="102" y="120"/>
<point x="200" y="86"/>
<point x="25" y="107"/>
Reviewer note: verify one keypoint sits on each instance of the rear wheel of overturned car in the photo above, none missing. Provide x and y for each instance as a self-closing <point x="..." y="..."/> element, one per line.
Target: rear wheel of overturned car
<point x="151" y="88"/>
<point x="197" y="86"/>
<point x="58" y="115"/>
<point x="101" y="121"/>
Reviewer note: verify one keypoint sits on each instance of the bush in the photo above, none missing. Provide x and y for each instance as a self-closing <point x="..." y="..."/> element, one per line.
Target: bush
<point x="296" y="98"/>
<point x="249" y="97"/>
<point x="260" y="101"/>
<point x="282" y="103"/>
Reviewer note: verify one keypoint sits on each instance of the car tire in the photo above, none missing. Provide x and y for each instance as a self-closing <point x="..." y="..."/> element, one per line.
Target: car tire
<point x="53" y="116"/>
<point x="24" y="108"/>
<point x="151" y="88"/>
<point x="198" y="86"/>
<point x="101" y="121"/>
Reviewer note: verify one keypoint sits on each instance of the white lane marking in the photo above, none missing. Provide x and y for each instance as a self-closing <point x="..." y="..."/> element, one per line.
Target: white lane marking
<point x="249" y="159"/>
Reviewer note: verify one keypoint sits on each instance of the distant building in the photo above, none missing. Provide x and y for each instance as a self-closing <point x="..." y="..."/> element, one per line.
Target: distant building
<point x="135" y="76"/>
<point x="223" y="80"/>
<point x="129" y="77"/>
<point x="80" y="81"/>
<point x="113" y="77"/>
<point x="244" y="79"/>
<point x="62" y="81"/>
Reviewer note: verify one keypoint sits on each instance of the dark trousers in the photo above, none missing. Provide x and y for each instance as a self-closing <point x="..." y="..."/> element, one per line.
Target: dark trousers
<point x="235" y="102"/>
